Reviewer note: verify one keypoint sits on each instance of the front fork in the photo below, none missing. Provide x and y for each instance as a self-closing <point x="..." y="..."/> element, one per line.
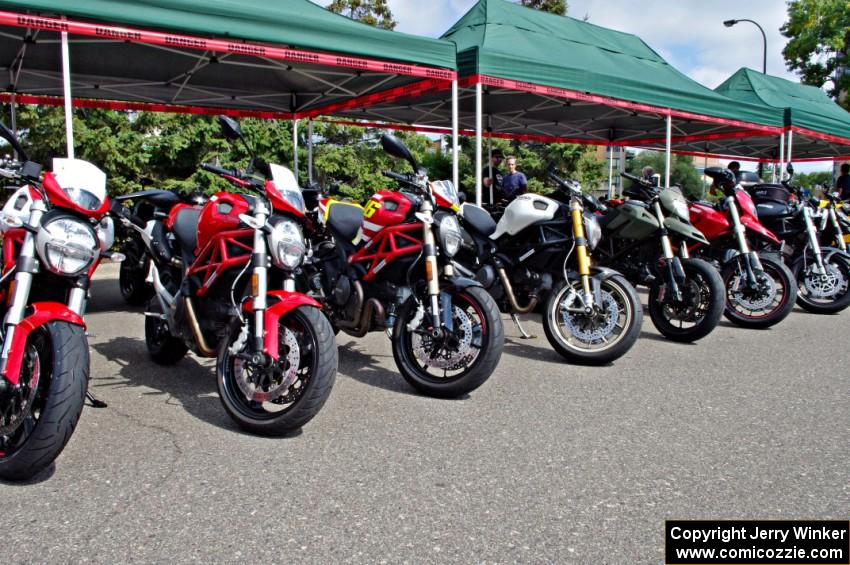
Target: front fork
<point x="577" y="215"/>
<point x="432" y="275"/>
<point x="27" y="267"/>
<point x="812" y="233"/>
<point x="752" y="262"/>
<point x="675" y="273"/>
<point x="260" y="275"/>
<point x="836" y="227"/>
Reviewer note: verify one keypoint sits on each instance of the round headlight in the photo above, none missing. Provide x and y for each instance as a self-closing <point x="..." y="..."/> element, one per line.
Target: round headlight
<point x="593" y="231"/>
<point x="286" y="244"/>
<point x="67" y="245"/>
<point x="450" y="235"/>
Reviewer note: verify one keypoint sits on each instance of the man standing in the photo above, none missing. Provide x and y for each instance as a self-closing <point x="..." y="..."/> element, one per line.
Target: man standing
<point x="514" y="183"/>
<point x="492" y="178"/>
<point x="842" y="183"/>
<point x="735" y="167"/>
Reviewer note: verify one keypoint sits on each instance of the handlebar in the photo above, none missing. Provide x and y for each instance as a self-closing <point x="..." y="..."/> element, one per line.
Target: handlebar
<point x="404" y="179"/>
<point x="220" y="171"/>
<point x="121" y="212"/>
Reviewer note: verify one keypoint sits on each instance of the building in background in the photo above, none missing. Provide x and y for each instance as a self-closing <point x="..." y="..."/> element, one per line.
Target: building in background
<point x="619" y="155"/>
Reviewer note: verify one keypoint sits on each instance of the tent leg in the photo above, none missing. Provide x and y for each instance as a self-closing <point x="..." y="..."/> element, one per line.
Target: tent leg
<point x="781" y="157"/>
<point x="668" y="149"/>
<point x="66" y="88"/>
<point x="478" y="148"/>
<point x="310" y="152"/>
<point x="490" y="153"/>
<point x="610" y="172"/>
<point x="455" y="141"/>
<point x="295" y="148"/>
<point x="790" y="146"/>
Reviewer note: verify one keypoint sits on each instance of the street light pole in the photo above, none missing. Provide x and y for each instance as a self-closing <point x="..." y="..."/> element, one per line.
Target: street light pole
<point x="730" y="23"/>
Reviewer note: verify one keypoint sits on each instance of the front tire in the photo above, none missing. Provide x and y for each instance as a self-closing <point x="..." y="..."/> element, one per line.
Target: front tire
<point x="308" y="362"/>
<point x="700" y="310"/>
<point x="466" y="358"/>
<point x="823" y="294"/>
<point x="57" y="365"/>
<point x="753" y="308"/>
<point x="604" y="336"/>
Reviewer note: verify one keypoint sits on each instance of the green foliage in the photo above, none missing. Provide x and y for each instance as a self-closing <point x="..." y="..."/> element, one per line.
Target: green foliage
<point x="553" y="6"/>
<point x="376" y="13"/>
<point x="810" y="180"/>
<point x="819" y="33"/>
<point x="682" y="171"/>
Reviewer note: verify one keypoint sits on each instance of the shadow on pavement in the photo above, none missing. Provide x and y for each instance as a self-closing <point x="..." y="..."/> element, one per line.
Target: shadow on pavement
<point x="188" y="382"/>
<point x="365" y="368"/>
<point x="44" y="475"/>
<point x="106" y="297"/>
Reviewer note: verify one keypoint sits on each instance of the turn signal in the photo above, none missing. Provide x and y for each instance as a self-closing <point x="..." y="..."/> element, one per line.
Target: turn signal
<point x="255" y="284"/>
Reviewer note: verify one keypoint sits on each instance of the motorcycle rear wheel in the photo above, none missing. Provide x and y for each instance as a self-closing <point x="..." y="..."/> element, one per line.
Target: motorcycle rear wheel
<point x="317" y="363"/>
<point x="163" y="348"/>
<point x="740" y="313"/>
<point x="560" y="324"/>
<point x="132" y="274"/>
<point x="702" y="281"/>
<point x="57" y="359"/>
<point x="479" y="331"/>
<point x="840" y="268"/>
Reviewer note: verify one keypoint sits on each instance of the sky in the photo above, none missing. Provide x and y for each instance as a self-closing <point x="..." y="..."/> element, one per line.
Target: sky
<point x="689" y="34"/>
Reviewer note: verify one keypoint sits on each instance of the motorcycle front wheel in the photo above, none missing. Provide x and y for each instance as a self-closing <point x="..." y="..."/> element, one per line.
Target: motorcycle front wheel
<point x="276" y="400"/>
<point x="37" y="420"/>
<point x="598" y="337"/>
<point x="700" y="309"/>
<point x="454" y="362"/>
<point x="768" y="303"/>
<point x="825" y="293"/>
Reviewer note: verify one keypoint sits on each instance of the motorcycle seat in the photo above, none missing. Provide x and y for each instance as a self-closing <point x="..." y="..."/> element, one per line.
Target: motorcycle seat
<point x="164" y="199"/>
<point x="345" y="219"/>
<point x="774" y="210"/>
<point x="185" y="229"/>
<point x="479" y="220"/>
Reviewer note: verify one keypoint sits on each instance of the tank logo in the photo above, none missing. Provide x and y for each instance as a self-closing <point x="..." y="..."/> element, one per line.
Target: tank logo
<point x="371" y="207"/>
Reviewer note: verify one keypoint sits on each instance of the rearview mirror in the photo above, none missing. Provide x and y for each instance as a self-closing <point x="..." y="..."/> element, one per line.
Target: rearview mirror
<point x="7" y="134"/>
<point x="230" y="127"/>
<point x="393" y="146"/>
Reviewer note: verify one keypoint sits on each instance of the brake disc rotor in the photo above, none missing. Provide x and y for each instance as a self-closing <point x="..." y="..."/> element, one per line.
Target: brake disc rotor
<point x="827" y="285"/>
<point x="452" y="360"/>
<point x="757" y="300"/>
<point x="252" y="381"/>
<point x="589" y="327"/>
<point x="21" y="401"/>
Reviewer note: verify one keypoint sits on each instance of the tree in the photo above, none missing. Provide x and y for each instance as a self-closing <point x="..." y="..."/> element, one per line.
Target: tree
<point x="682" y="171"/>
<point x="819" y="33"/>
<point x="552" y="6"/>
<point x="376" y="13"/>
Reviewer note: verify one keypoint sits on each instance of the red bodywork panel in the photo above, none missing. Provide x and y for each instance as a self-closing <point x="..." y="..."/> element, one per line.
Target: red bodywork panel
<point x="384" y="209"/>
<point x="43" y="312"/>
<point x="220" y="213"/>
<point x="388" y="245"/>
<point x="279" y="203"/>
<point x="709" y="221"/>
<point x="58" y="198"/>
<point x="12" y="241"/>
<point x="286" y="302"/>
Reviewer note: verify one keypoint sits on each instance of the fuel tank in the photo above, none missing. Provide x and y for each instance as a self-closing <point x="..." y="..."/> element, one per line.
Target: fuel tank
<point x="711" y="222"/>
<point x="524" y="211"/>
<point x="386" y="209"/>
<point x="221" y="213"/>
<point x="632" y="221"/>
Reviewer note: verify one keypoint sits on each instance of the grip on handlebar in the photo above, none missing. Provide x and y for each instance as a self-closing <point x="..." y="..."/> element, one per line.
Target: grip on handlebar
<point x="217" y="170"/>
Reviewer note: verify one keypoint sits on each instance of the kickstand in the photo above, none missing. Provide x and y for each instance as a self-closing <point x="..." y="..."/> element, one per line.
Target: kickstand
<point x="524" y="334"/>
<point x="95" y="403"/>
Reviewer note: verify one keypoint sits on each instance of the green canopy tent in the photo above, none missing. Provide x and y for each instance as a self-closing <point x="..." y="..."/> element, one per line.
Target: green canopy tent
<point x="247" y="58"/>
<point x="538" y="76"/>
<point x="816" y="127"/>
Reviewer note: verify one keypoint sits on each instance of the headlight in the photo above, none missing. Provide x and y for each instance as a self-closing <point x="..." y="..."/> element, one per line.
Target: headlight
<point x="67" y="245"/>
<point x="592" y="229"/>
<point x="286" y="244"/>
<point x="450" y="236"/>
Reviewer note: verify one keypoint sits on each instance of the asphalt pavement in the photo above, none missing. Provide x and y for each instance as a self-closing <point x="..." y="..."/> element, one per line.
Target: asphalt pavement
<point x="546" y="463"/>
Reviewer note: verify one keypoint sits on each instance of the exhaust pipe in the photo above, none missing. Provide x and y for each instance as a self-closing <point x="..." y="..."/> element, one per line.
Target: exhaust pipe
<point x="205" y="349"/>
<point x="512" y="298"/>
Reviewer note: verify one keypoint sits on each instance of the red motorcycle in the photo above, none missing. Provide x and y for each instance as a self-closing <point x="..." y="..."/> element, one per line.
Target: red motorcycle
<point x="389" y="266"/>
<point x="760" y="290"/>
<point x="56" y="230"/>
<point x="214" y="268"/>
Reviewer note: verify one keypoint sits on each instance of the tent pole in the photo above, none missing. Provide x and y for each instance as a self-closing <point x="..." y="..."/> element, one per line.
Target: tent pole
<point x="790" y="146"/>
<point x="295" y="148"/>
<point x="455" y="152"/>
<point x="610" y="172"/>
<point x="478" y="148"/>
<point x="310" y="152"/>
<point x="704" y="167"/>
<point x="66" y="87"/>
<point x="490" y="153"/>
<point x="669" y="148"/>
<point x="781" y="157"/>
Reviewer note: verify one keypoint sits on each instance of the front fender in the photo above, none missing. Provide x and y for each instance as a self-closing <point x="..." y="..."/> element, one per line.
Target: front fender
<point x="285" y="302"/>
<point x="43" y="312"/>
<point x="685" y="230"/>
<point x="829" y="252"/>
<point x="758" y="228"/>
<point x="458" y="283"/>
<point x="603" y="273"/>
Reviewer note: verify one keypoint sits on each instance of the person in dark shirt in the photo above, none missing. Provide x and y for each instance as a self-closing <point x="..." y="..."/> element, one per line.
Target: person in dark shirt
<point x="842" y="183"/>
<point x="735" y="167"/>
<point x="514" y="183"/>
<point x="492" y="177"/>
